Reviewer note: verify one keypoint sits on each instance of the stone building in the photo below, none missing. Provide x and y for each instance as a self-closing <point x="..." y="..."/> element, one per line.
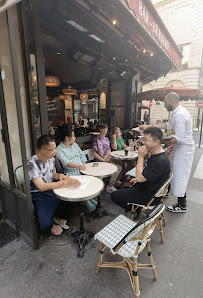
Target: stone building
<point x="184" y="20"/>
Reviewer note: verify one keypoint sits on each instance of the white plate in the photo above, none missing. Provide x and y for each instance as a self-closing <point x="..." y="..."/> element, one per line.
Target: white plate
<point x="136" y="129"/>
<point x="167" y="137"/>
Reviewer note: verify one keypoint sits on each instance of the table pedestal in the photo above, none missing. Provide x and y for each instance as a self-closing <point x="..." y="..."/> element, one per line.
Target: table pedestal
<point x="99" y="212"/>
<point x="82" y="237"/>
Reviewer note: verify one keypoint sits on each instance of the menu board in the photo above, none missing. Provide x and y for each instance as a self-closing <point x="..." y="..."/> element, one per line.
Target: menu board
<point x="53" y="106"/>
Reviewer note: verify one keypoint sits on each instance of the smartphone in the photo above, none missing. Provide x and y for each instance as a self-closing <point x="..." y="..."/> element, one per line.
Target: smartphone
<point x="95" y="164"/>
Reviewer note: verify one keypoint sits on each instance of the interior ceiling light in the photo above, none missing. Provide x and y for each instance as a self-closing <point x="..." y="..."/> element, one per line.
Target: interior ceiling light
<point x="84" y="96"/>
<point x="144" y="51"/>
<point x="96" y="38"/>
<point x="114" y="22"/>
<point x="52" y="81"/>
<point x="152" y="54"/>
<point x="77" y="26"/>
<point x="58" y="53"/>
<point x="114" y="58"/>
<point x="69" y="90"/>
<point x="126" y="60"/>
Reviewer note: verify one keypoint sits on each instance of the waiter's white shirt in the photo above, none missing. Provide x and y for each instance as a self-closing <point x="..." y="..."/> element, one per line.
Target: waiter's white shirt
<point x="182" y="158"/>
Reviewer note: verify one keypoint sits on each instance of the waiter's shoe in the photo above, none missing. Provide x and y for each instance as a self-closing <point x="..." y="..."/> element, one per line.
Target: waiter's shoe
<point x="176" y="208"/>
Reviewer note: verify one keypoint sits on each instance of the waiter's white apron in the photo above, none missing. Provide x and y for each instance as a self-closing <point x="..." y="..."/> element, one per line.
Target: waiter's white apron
<point x="181" y="164"/>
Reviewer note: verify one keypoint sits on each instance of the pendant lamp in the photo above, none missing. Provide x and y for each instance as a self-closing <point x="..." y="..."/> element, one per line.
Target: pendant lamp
<point x="83" y="96"/>
<point x="52" y="81"/>
<point x="69" y="90"/>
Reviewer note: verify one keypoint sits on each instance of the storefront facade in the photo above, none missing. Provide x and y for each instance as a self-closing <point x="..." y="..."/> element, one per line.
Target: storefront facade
<point x="125" y="54"/>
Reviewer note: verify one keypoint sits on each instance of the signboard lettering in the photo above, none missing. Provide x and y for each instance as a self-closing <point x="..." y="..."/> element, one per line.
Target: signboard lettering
<point x="141" y="11"/>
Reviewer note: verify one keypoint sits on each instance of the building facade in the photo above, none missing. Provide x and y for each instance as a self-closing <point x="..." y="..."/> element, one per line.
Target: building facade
<point x="184" y="20"/>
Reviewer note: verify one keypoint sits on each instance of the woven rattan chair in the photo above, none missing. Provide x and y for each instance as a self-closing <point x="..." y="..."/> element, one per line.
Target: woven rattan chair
<point x="127" y="239"/>
<point x="160" y="195"/>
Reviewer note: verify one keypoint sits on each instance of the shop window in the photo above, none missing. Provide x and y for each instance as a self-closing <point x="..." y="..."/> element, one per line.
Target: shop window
<point x="185" y="50"/>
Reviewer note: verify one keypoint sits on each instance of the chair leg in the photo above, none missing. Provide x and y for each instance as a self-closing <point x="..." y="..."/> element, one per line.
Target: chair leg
<point x="100" y="257"/>
<point x="136" y="279"/>
<point x="151" y="260"/>
<point x="164" y="218"/>
<point x="161" y="229"/>
<point x="132" y="212"/>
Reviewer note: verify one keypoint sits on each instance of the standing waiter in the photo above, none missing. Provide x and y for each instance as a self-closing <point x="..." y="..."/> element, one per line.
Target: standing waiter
<point x="182" y="158"/>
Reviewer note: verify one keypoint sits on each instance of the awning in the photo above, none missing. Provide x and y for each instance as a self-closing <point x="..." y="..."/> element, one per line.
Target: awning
<point x="160" y="93"/>
<point x="5" y="4"/>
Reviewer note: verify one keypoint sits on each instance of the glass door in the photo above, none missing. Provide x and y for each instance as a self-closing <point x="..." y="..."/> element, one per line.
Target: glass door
<point x="15" y="149"/>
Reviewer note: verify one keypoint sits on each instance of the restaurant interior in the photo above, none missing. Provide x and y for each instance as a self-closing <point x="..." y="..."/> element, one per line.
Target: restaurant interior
<point x="91" y="57"/>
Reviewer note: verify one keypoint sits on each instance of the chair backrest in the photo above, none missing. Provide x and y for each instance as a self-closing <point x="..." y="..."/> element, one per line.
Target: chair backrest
<point x="163" y="189"/>
<point x="19" y="177"/>
<point x="88" y="154"/>
<point x="141" y="230"/>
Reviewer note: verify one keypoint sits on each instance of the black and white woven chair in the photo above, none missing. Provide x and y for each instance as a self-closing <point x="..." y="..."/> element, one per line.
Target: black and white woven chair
<point x="127" y="239"/>
<point x="160" y="195"/>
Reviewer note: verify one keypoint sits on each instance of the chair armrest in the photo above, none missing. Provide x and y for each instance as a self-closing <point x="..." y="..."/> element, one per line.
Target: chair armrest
<point x="142" y="206"/>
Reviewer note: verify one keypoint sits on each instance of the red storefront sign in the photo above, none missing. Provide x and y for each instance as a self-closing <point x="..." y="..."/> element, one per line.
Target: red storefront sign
<point x="200" y="105"/>
<point x="150" y="104"/>
<point x="142" y="12"/>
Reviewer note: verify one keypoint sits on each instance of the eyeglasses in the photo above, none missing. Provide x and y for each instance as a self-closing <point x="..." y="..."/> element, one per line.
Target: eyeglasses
<point x="51" y="150"/>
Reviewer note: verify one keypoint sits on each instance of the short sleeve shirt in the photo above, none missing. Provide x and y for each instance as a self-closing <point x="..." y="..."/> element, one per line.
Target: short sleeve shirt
<point x="40" y="169"/>
<point x="101" y="146"/>
<point x="156" y="172"/>
<point x="120" y="143"/>
<point x="70" y="154"/>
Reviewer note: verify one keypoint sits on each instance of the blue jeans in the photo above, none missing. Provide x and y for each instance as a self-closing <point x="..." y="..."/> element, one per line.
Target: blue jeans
<point x="45" y="204"/>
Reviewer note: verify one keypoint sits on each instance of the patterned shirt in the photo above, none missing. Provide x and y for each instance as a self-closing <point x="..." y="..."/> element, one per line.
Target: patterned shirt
<point x="40" y="169"/>
<point x="70" y="154"/>
<point x="101" y="146"/>
<point x="119" y="142"/>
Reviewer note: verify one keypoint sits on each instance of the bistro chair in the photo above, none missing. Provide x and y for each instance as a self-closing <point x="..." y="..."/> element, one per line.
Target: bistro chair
<point x="159" y="195"/>
<point x="127" y="239"/>
<point x="19" y="178"/>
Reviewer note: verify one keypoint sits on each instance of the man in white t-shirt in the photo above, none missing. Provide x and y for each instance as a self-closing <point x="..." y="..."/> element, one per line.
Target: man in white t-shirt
<point x="182" y="158"/>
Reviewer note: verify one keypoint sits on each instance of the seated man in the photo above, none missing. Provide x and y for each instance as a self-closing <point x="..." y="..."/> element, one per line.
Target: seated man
<point x="42" y="173"/>
<point x="149" y="178"/>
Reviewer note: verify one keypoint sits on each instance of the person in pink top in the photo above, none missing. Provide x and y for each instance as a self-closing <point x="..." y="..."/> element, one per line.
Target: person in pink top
<point x="101" y="151"/>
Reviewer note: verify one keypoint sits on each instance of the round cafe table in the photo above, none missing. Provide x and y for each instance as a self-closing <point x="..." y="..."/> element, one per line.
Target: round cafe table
<point x="90" y="188"/>
<point x="121" y="155"/>
<point x="100" y="170"/>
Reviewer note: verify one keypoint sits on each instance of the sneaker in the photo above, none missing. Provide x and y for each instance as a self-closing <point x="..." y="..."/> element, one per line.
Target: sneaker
<point x="176" y="208"/>
<point x="61" y="222"/>
<point x="119" y="183"/>
<point x="111" y="189"/>
<point x="93" y="202"/>
<point x="91" y="207"/>
<point x="56" y="230"/>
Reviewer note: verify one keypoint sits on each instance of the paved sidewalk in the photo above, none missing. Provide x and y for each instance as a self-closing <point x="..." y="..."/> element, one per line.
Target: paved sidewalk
<point x="55" y="271"/>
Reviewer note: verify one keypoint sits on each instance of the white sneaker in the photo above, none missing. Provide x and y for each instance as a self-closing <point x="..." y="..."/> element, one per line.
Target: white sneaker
<point x="56" y="230"/>
<point x="111" y="189"/>
<point x="61" y="222"/>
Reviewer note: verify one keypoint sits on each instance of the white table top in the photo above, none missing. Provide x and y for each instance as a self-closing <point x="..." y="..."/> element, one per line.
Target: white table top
<point x="103" y="170"/>
<point x="121" y="155"/>
<point x="94" y="133"/>
<point x="73" y="194"/>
